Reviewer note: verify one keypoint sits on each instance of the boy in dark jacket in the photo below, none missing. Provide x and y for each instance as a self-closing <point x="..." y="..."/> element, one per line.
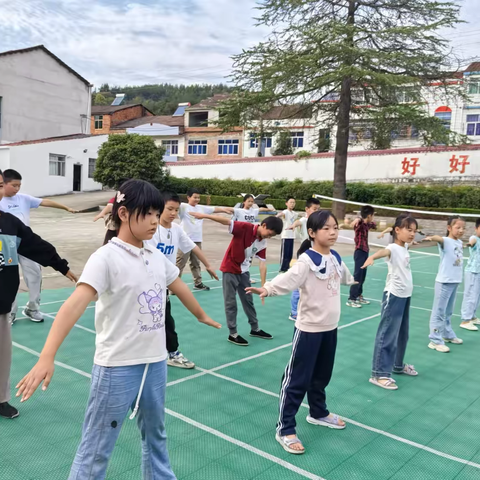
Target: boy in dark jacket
<point x="17" y="239"/>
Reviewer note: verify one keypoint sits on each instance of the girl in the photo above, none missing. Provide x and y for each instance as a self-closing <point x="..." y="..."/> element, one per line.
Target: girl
<point x="249" y="211"/>
<point x="392" y="335"/>
<point x="129" y="371"/>
<point x="446" y="284"/>
<point x="471" y="295"/>
<point x="318" y="274"/>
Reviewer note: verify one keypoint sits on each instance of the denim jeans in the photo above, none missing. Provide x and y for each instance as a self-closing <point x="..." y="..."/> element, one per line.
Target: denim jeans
<point x="294" y="302"/>
<point x="392" y="336"/>
<point x="471" y="296"/>
<point x="442" y="310"/>
<point x="113" y="392"/>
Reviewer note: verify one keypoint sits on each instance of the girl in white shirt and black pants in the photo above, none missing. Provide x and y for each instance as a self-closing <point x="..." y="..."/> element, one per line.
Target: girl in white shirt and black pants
<point x="130" y="368"/>
<point x="318" y="274"/>
<point x="392" y="335"/>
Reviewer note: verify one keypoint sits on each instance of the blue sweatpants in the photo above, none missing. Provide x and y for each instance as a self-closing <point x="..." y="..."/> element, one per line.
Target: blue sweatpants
<point x="308" y="372"/>
<point x="113" y="392"/>
<point x="294" y="302"/>
<point x="286" y="253"/>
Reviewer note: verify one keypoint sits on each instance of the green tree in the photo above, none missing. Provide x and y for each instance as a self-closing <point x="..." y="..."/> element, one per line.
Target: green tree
<point x="283" y="144"/>
<point x="100" y="100"/>
<point x="130" y="156"/>
<point x="349" y="52"/>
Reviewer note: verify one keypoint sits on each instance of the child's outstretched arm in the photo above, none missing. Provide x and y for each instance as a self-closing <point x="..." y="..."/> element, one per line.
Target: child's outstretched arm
<point x="203" y="258"/>
<point x="52" y="204"/>
<point x="180" y="289"/>
<point x="215" y="218"/>
<point x="387" y="230"/>
<point x="294" y="225"/>
<point x="385" y="252"/>
<point x="64" y="321"/>
<point x="434" y="238"/>
<point x="108" y="209"/>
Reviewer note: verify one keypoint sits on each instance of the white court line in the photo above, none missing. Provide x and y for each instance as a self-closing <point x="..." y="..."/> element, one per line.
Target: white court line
<point x="245" y="446"/>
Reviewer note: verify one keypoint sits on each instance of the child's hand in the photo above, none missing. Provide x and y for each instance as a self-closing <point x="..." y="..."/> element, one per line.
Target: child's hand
<point x="41" y="372"/>
<point x="71" y="276"/>
<point x="212" y="273"/>
<point x="289" y="228"/>
<point x="381" y="235"/>
<point x="71" y="210"/>
<point x="427" y="239"/>
<point x="208" y="321"/>
<point x="258" y="291"/>
<point x="368" y="263"/>
<point x="98" y="217"/>
<point x="198" y="215"/>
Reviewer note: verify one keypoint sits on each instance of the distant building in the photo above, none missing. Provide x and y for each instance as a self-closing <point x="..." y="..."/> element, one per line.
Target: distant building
<point x="107" y="119"/>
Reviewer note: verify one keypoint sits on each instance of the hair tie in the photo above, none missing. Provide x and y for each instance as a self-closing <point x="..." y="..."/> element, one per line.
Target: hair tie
<point x="120" y="197"/>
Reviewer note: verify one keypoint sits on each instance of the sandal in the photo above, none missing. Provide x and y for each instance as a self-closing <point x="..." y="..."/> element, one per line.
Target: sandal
<point x="332" y="421"/>
<point x="407" y="370"/>
<point x="384" y="382"/>
<point x="286" y="443"/>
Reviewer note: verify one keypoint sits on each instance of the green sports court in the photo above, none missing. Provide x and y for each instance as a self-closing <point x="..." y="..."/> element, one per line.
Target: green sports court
<point x="221" y="416"/>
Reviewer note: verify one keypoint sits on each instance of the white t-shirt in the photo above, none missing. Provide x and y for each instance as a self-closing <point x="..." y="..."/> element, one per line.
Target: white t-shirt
<point x="170" y="240"/>
<point x="399" y="277"/>
<point x="193" y="226"/>
<point x="244" y="215"/>
<point x="130" y="312"/>
<point x="303" y="229"/>
<point x="451" y="261"/>
<point x="20" y="205"/>
<point x="288" y="221"/>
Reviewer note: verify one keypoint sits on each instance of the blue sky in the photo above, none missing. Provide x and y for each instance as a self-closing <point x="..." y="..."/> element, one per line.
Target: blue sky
<point x="151" y="41"/>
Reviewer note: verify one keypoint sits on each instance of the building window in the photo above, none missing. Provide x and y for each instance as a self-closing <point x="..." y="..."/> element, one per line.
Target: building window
<point x="91" y="166"/>
<point x="98" y="122"/>
<point x="297" y="139"/>
<point x="57" y="165"/>
<point x="474" y="88"/>
<point x="171" y="147"/>
<point x="197" y="147"/>
<point x="473" y="125"/>
<point x="228" y="147"/>
<point x="267" y="138"/>
<point x="445" y="115"/>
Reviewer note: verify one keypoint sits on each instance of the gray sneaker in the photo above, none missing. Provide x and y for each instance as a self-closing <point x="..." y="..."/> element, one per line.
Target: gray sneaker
<point x="178" y="360"/>
<point x="33" y="315"/>
<point x="12" y="318"/>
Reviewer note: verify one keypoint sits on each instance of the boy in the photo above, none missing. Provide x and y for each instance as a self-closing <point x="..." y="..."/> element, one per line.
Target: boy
<point x="248" y="240"/>
<point x="288" y="235"/>
<point x="311" y="205"/>
<point x="19" y="205"/>
<point x="361" y="226"/>
<point x="193" y="227"/>
<point x="170" y="238"/>
<point x="12" y="233"/>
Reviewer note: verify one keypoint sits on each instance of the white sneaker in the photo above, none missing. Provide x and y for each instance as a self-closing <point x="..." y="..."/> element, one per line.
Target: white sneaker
<point x="252" y="280"/>
<point x="475" y="321"/>
<point x="455" y="341"/>
<point x="438" y="347"/>
<point x="34" y="315"/>
<point x="178" y="360"/>
<point x="353" y="304"/>
<point x="12" y="318"/>
<point x="469" y="326"/>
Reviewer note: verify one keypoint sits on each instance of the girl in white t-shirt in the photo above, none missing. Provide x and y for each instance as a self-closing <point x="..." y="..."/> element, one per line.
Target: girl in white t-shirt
<point x="392" y="335"/>
<point x="449" y="277"/>
<point x="130" y="279"/>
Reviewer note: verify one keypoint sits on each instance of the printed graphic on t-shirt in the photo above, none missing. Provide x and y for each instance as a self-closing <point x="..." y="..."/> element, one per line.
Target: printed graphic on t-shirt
<point x="407" y="262"/>
<point x="151" y="304"/>
<point x="458" y="251"/>
<point x="333" y="284"/>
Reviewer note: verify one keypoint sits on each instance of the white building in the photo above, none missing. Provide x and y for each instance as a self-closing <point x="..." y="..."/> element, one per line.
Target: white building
<point x="41" y="96"/>
<point x="54" y="166"/>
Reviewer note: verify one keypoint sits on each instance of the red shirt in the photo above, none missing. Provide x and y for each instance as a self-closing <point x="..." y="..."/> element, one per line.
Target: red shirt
<point x="244" y="245"/>
<point x="361" y="234"/>
<point x="112" y="200"/>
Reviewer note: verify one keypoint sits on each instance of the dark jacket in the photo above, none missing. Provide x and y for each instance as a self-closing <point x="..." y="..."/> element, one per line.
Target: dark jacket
<point x="18" y="239"/>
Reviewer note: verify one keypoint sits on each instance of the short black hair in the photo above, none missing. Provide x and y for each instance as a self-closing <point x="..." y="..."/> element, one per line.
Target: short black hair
<point x="9" y="175"/>
<point x="139" y="197"/>
<point x="312" y="201"/>
<point x="477" y="223"/>
<point x="290" y="197"/>
<point x="366" y="210"/>
<point x="274" y="223"/>
<point x="192" y="191"/>
<point x="171" y="197"/>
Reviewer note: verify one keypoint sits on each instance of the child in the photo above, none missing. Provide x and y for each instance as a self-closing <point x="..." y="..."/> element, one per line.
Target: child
<point x="311" y="205"/>
<point x="249" y="211"/>
<point x="130" y="279"/>
<point x="288" y="235"/>
<point x="471" y="294"/>
<point x="361" y="226"/>
<point x="194" y="229"/>
<point x="318" y="274"/>
<point x="106" y="213"/>
<point x="446" y="284"/>
<point x="392" y="334"/>
<point x="19" y="204"/>
<point x="169" y="238"/>
<point x="248" y="241"/>
<point x="17" y="239"/>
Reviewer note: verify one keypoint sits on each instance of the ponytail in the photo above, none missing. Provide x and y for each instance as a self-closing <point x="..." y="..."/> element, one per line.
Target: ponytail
<point x="306" y="245"/>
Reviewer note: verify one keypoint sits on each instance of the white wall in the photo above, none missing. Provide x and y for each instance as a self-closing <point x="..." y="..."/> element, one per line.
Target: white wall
<point x="32" y="161"/>
<point x="372" y="166"/>
<point x="40" y="98"/>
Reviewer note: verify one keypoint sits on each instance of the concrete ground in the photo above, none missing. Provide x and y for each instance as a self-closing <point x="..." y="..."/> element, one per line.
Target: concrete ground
<point x="76" y="236"/>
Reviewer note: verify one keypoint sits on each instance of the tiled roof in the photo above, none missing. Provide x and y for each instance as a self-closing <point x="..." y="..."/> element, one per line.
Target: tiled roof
<point x="211" y="102"/>
<point x="283" y="112"/>
<point x="48" y="52"/>
<point x="163" y="119"/>
<point x="473" y="67"/>
<point x="109" y="109"/>
<point x="77" y="136"/>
